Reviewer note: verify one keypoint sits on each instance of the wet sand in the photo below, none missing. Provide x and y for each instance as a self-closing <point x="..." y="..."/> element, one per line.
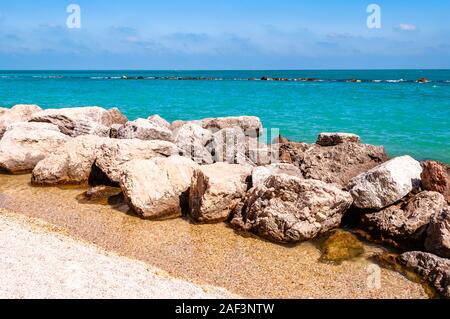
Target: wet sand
<point x="204" y="254"/>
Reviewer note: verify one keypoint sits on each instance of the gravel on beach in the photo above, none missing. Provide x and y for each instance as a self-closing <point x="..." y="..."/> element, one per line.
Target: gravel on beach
<point x="37" y="262"/>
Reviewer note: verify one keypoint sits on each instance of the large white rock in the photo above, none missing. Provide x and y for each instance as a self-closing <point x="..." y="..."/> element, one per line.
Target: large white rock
<point x="231" y="145"/>
<point x="72" y="164"/>
<point x="18" y="113"/>
<point x="113" y="153"/>
<point x="144" y="130"/>
<point x="75" y="162"/>
<point x="158" y="120"/>
<point x="216" y="190"/>
<point x="78" y="121"/>
<point x="385" y="184"/>
<point x="157" y="188"/>
<point x="251" y="125"/>
<point x="262" y="173"/>
<point x="25" y="144"/>
<point x="192" y="139"/>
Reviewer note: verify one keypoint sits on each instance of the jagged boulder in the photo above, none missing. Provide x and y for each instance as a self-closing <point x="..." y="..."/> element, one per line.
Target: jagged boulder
<point x="117" y="117"/>
<point x="292" y="152"/>
<point x="438" y="234"/>
<point x="433" y="269"/>
<point x="250" y="125"/>
<point x="216" y="190"/>
<point x="230" y="145"/>
<point x="405" y="223"/>
<point x="339" y="164"/>
<point x="261" y="173"/>
<point x="332" y="139"/>
<point x="72" y="164"/>
<point x="144" y="130"/>
<point x="436" y="177"/>
<point x="157" y="188"/>
<point x="193" y="141"/>
<point x="332" y="164"/>
<point x="158" y="120"/>
<point x="18" y="113"/>
<point x="113" y="154"/>
<point x="289" y="209"/>
<point x="78" y="121"/>
<point x="85" y="155"/>
<point x="25" y="144"/>
<point x="385" y="184"/>
<point x="114" y="130"/>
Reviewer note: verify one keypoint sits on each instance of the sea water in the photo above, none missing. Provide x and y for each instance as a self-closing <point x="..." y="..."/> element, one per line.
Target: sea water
<point x="387" y="107"/>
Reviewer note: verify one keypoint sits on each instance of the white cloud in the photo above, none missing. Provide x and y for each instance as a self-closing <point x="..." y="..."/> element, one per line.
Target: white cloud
<point x="407" y="27"/>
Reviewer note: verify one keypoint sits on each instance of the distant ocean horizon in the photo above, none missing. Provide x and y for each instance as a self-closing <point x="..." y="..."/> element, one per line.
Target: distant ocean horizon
<point x="385" y="107"/>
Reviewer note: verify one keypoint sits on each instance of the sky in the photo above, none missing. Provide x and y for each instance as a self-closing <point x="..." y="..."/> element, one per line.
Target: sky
<point x="223" y="35"/>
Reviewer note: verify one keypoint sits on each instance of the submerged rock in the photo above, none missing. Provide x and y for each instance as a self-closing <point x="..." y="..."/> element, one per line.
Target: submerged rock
<point x="385" y="184"/>
<point x="25" y="144"/>
<point x="144" y="130"/>
<point x="102" y="192"/>
<point x="289" y="209"/>
<point x="78" y="121"/>
<point x="261" y="173"/>
<point x="75" y="162"/>
<point x="423" y="80"/>
<point x="18" y="113"/>
<point x="341" y="245"/>
<point x="157" y="188"/>
<point x="438" y="234"/>
<point x="216" y="190"/>
<point x="436" y="177"/>
<point x="405" y="223"/>
<point x="193" y="140"/>
<point x="435" y="270"/>
<point x="332" y="139"/>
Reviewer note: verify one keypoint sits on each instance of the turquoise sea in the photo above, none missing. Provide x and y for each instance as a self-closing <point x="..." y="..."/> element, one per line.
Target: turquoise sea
<point x="386" y="108"/>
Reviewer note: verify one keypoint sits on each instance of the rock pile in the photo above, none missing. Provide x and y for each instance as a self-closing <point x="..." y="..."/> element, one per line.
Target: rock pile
<point x="218" y="169"/>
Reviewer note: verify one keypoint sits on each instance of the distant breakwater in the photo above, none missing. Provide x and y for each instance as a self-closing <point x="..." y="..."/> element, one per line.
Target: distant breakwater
<point x="200" y="78"/>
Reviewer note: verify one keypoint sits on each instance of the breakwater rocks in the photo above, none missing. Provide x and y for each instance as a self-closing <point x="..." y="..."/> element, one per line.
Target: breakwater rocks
<point x="265" y="78"/>
<point x="219" y="170"/>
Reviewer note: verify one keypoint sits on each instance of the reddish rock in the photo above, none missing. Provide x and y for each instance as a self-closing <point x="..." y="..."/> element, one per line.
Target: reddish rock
<point x="117" y="117"/>
<point x="436" y="177"/>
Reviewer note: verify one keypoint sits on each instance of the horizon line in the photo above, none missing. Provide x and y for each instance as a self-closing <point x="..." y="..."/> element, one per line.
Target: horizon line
<point x="221" y="70"/>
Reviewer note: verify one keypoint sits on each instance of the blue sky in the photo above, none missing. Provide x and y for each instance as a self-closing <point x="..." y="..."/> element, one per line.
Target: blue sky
<point x="216" y="34"/>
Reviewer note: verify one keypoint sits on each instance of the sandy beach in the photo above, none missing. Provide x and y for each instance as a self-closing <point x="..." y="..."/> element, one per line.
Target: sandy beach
<point x="38" y="261"/>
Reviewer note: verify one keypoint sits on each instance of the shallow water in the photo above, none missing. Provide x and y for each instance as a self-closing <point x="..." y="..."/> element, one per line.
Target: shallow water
<point x="406" y="117"/>
<point x="204" y="254"/>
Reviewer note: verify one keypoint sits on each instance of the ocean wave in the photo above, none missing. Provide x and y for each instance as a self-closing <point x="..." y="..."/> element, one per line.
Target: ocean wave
<point x="395" y="81"/>
<point x="47" y="76"/>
